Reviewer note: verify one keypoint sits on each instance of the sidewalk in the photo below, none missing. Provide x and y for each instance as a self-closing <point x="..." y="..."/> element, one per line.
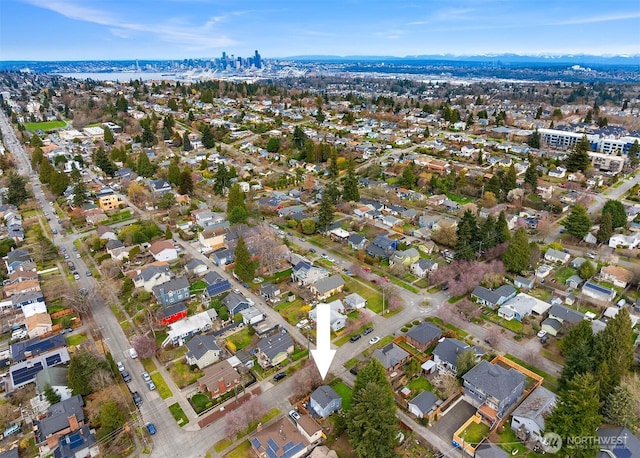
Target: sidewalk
<point x="178" y="397"/>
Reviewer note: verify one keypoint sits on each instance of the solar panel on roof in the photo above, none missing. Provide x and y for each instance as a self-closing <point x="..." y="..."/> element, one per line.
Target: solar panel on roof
<point x="256" y="442"/>
<point x="75" y="441"/>
<point x="25" y="374"/>
<point x="218" y="288"/>
<point x="287" y="446"/>
<point x="272" y="444"/>
<point x="293" y="451"/>
<point x="53" y="360"/>
<point x="622" y="452"/>
<point x="271" y="453"/>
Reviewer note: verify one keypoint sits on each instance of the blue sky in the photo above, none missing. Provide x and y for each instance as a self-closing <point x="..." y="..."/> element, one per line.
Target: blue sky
<point x="176" y="29"/>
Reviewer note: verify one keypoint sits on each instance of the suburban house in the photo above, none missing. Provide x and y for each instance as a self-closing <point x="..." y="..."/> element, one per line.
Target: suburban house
<point x="495" y="298"/>
<point x="559" y="315"/>
<point x="618" y="442"/>
<point x="392" y="357"/>
<point x="490" y="450"/>
<point x="106" y="233"/>
<point x="493" y="389"/>
<point x="382" y="246"/>
<point x="625" y="241"/>
<point x="556" y="256"/>
<point x="405" y="257"/>
<point x="337" y="320"/>
<point x="423" y="404"/>
<point x="357" y="241"/>
<point x="598" y="292"/>
<point x="172" y="313"/>
<point x="212" y="238"/>
<point x="79" y="443"/>
<point x="354" y="301"/>
<point x="159" y="187"/>
<point x="16" y="257"/>
<point x="203" y="351"/>
<point x="152" y="275"/>
<point x="216" y="285"/>
<point x="181" y="330"/>
<point x="422" y="267"/>
<point x="304" y="273"/>
<point x="279" y="440"/>
<point x="235" y="302"/>
<point x="423" y="336"/>
<point x="57" y="379"/>
<point x="527" y="420"/>
<point x="163" y="250"/>
<point x="219" y="378"/>
<point x="196" y="267"/>
<point x="62" y="418"/>
<point x="273" y="350"/>
<point x="519" y="307"/>
<point x="619" y="276"/>
<point x="172" y="291"/>
<point x="38" y="324"/>
<point x="251" y="316"/>
<point x="574" y="281"/>
<point x="523" y="283"/>
<point x="446" y="353"/>
<point x="223" y="257"/>
<point x="326" y="287"/>
<point x="270" y="291"/>
<point x="324" y="401"/>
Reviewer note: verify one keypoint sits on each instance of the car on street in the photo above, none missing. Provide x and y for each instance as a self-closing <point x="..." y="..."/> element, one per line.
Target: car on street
<point x="151" y="429"/>
<point x="89" y="273"/>
<point x="66" y="256"/>
<point x="279" y="376"/>
<point x="76" y="276"/>
<point x="120" y="366"/>
<point x="541" y="333"/>
<point x="302" y="239"/>
<point x="146" y="377"/>
<point x="54" y="231"/>
<point x="312" y="250"/>
<point x="355" y="337"/>
<point x="368" y="330"/>
<point x="151" y="385"/>
<point x="63" y="249"/>
<point x="591" y="255"/>
<point x="137" y="399"/>
<point x="78" y="255"/>
<point x="75" y="248"/>
<point x="374" y="340"/>
<point x="133" y="353"/>
<point x="66" y="330"/>
<point x="295" y="416"/>
<point x="126" y="376"/>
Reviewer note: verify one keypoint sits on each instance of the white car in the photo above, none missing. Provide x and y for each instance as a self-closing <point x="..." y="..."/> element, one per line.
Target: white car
<point x="591" y="255"/>
<point x="120" y="366"/>
<point x="541" y="333"/>
<point x="374" y="340"/>
<point x="295" y="416"/>
<point x="146" y="377"/>
<point x="133" y="353"/>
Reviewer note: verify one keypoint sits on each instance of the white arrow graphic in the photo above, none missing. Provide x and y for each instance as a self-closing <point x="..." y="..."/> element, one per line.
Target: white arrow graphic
<point x="323" y="354"/>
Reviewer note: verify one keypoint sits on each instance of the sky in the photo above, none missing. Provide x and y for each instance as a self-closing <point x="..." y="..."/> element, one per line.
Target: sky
<point x="178" y="29"/>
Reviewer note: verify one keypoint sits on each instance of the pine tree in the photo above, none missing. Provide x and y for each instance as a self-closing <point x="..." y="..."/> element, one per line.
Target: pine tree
<point x="173" y="173"/>
<point x="236" y="207"/>
<point x="488" y="233"/>
<point x="467" y="233"/>
<point x="245" y="267"/>
<point x="578" y="159"/>
<point x="586" y="270"/>
<point x="102" y="161"/>
<point x="531" y="176"/>
<point x="510" y="180"/>
<point x="186" y="143"/>
<point x="325" y="212"/>
<point x="578" y="222"/>
<point x="299" y="138"/>
<point x="577" y="348"/>
<point x="634" y="154"/>
<point x="144" y="167"/>
<point x="51" y="395"/>
<point x="17" y="189"/>
<point x="617" y="211"/>
<point x="409" y="177"/>
<point x="35" y="141"/>
<point x="606" y="229"/>
<point x="109" y="139"/>
<point x="221" y="179"/>
<point x="614" y="351"/>
<point x="502" y="229"/>
<point x="493" y="185"/>
<point x="350" y="192"/>
<point x="619" y="407"/>
<point x="208" y="140"/>
<point x="79" y="193"/>
<point x="186" y="182"/>
<point x="517" y="256"/>
<point x="36" y="157"/>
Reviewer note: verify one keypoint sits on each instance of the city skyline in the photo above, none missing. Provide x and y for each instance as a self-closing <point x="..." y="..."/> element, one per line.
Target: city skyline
<point x="179" y="29"/>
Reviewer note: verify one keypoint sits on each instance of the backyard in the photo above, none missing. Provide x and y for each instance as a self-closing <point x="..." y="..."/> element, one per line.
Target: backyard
<point x="345" y="393"/>
<point x="474" y="433"/>
<point x="420" y="384"/>
<point x="182" y="374"/>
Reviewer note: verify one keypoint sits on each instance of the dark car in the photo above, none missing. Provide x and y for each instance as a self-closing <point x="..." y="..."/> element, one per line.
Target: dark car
<point x="137" y="399"/>
<point x="354" y="371"/>
<point x="355" y="337"/>
<point x="369" y="330"/>
<point x="544" y="339"/>
<point x="445" y="287"/>
<point x="126" y="376"/>
<point x="279" y="376"/>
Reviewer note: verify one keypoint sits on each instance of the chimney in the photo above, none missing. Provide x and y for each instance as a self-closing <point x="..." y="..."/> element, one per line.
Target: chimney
<point x="73" y="422"/>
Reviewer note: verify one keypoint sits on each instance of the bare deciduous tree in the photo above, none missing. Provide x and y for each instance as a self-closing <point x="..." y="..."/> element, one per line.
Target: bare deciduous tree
<point x="145" y="346"/>
<point x="100" y="379"/>
<point x="447" y="385"/>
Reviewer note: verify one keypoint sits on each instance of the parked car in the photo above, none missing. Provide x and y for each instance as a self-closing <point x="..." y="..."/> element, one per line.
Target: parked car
<point x="146" y="377"/>
<point x="591" y="255"/>
<point x="374" y="340"/>
<point x="151" y="429"/>
<point x="541" y="333"/>
<point x="368" y="330"/>
<point x="12" y="430"/>
<point x="125" y="376"/>
<point x="544" y="339"/>
<point x="151" y="385"/>
<point x="295" y="416"/>
<point x="120" y="366"/>
<point x="18" y="334"/>
<point x="133" y="353"/>
<point x="66" y="330"/>
<point x="137" y="399"/>
<point x="76" y="276"/>
<point x="312" y="250"/>
<point x="279" y="376"/>
<point x="355" y="337"/>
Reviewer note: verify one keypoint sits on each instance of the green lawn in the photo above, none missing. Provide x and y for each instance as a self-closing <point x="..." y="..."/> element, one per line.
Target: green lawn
<point x="345" y="393"/>
<point x="550" y="382"/>
<point x="161" y="385"/>
<point x="178" y="414"/>
<point x="182" y="374"/>
<point x="241" y="451"/>
<point x="513" y="325"/>
<point x="44" y="126"/>
<point x="290" y="311"/>
<point x="475" y="433"/>
<point x="197" y="287"/>
<point x="372" y="295"/>
<point x="240" y="339"/>
<point x="149" y="365"/>
<point x="420" y="384"/>
<point x="76" y="339"/>
<point x="458" y="198"/>
<point x="352" y="362"/>
<point x="564" y="273"/>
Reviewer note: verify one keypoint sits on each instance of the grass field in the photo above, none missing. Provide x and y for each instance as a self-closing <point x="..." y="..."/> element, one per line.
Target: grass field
<point x="178" y="414"/>
<point x="475" y="433"/>
<point x="241" y="451"/>
<point x="420" y="384"/>
<point x="372" y="295"/>
<point x="161" y="386"/>
<point x="240" y="339"/>
<point x="182" y="375"/>
<point x="550" y="382"/>
<point x="345" y="393"/>
<point x="76" y="339"/>
<point x="44" y="126"/>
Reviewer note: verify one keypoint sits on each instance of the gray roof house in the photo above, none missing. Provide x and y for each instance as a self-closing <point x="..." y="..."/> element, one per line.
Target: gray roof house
<point x="446" y="353"/>
<point x="62" y="418"/>
<point x="270" y="291"/>
<point x="56" y="378"/>
<point x="337" y="319"/>
<point x="272" y="350"/>
<point x="573" y="281"/>
<point x="357" y="241"/>
<point x="523" y="283"/>
<point x="326" y="287"/>
<point x="527" y="420"/>
<point x="202" y="351"/>
<point x="172" y="291"/>
<point x="557" y="256"/>
<point x="422" y="404"/>
<point x="306" y="273"/>
<point x="490" y="450"/>
<point x="422" y="267"/>
<point x="493" y="298"/>
<point x="76" y="444"/>
<point x="493" y="386"/>
<point x="355" y="301"/>
<point x="598" y="292"/>
<point x="618" y="442"/>
<point x="391" y="356"/>
<point x="196" y="267"/>
<point x="235" y="302"/>
<point x="324" y="401"/>
<point x="559" y="314"/>
<point x="423" y="335"/>
<point x="382" y="246"/>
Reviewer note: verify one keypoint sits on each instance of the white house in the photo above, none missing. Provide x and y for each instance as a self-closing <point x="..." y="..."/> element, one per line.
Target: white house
<point x="163" y="250"/>
<point x="527" y="420"/>
<point x="556" y="256"/>
<point x="338" y="319"/>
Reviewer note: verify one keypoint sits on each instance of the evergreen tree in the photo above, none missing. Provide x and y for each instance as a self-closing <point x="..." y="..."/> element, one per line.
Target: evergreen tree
<point x="373" y="372"/>
<point x="606" y="229"/>
<point x="334" y="171"/>
<point x="221" y="179"/>
<point x="577" y="348"/>
<point x="273" y="145"/>
<point x="510" y="180"/>
<point x="173" y="173"/>
<point x="121" y="104"/>
<point x="46" y="170"/>
<point x="79" y="193"/>
<point x="236" y="207"/>
<point x="619" y="407"/>
<point x="578" y="159"/>
<point x="109" y="139"/>
<point x="371" y="423"/>
<point x="144" y="167"/>
<point x="299" y="138"/>
<point x="502" y="229"/>
<point x="245" y="267"/>
<point x="578" y="222"/>
<point x="464" y="363"/>
<point x="531" y="176"/>
<point x="467" y="233"/>
<point x="17" y="189"/>
<point x="577" y="415"/>
<point x="36" y="157"/>
<point x="539" y="113"/>
<point x="488" y="233"/>
<point x="36" y="141"/>
<point x="634" y="154"/>
<point x="517" y="256"/>
<point x="409" y="177"/>
<point x="186" y="143"/>
<point x="350" y="192"/>
<point x="614" y="348"/>
<point x="208" y="140"/>
<point x="493" y="185"/>
<point x="148" y="137"/>
<point x="51" y="395"/>
<point x="186" y="182"/>
<point x="325" y="212"/>
<point x="58" y="183"/>
<point x="534" y="140"/>
<point x="586" y="270"/>
<point x="618" y="214"/>
<point x="102" y="161"/>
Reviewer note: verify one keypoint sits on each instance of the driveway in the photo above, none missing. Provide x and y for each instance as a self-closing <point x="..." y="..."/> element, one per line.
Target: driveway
<point x="452" y="420"/>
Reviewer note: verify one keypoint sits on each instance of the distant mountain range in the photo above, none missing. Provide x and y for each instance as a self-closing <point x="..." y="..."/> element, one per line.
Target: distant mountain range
<point x="569" y="59"/>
